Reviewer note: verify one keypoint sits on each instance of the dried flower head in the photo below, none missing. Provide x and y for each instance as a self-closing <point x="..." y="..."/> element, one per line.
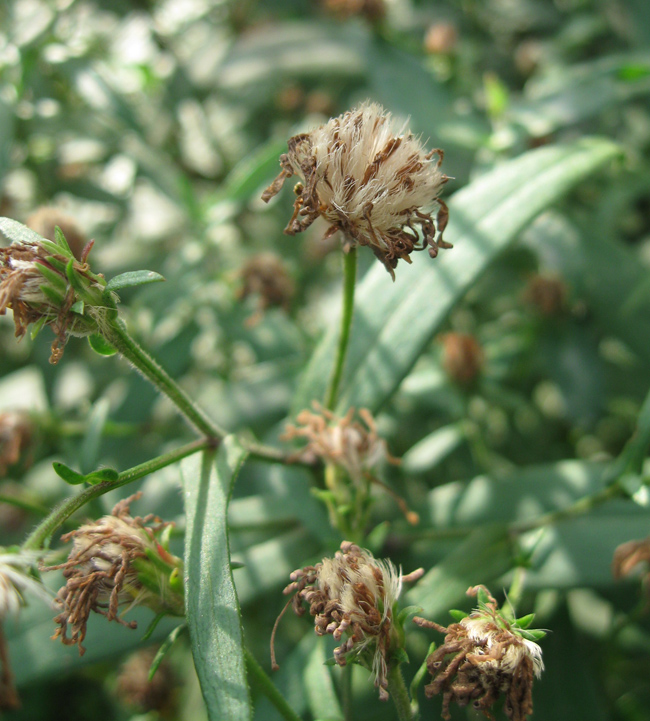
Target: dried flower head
<point x="16" y="432"/>
<point x="116" y="561"/>
<point x="266" y="276"/>
<point x="483" y="657"/>
<point x="628" y="556"/>
<point x="548" y="293"/>
<point x="352" y="595"/>
<point x="134" y="688"/>
<point x="354" y="445"/>
<point x="43" y="283"/>
<point x="369" y="181"/>
<point x="44" y="221"/>
<point x="462" y="357"/>
<point x="441" y="38"/>
<point x="17" y="580"/>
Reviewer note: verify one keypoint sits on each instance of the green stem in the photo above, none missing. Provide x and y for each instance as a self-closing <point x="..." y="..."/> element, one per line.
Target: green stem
<point x="268" y="688"/>
<point x="346" y="691"/>
<point x="41" y="534"/>
<point x="349" y="281"/>
<point x="116" y="334"/>
<point x="399" y="694"/>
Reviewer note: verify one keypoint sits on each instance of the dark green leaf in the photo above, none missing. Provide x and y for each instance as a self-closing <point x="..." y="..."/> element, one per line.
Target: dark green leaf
<point x="164" y="647"/>
<point x="100" y="345"/>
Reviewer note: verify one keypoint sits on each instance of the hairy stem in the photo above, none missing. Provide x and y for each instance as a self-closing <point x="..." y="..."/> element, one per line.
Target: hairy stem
<point x="43" y="532"/>
<point x="268" y="688"/>
<point x="399" y="694"/>
<point x="117" y="335"/>
<point x="349" y="282"/>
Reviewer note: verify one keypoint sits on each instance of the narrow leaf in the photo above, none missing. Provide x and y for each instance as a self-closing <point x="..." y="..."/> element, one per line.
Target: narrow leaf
<point x="132" y="279"/>
<point x="212" y="605"/>
<point x="164" y="648"/>
<point x="68" y="475"/>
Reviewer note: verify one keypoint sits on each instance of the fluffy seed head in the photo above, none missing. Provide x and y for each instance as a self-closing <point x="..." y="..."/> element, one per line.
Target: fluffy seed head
<point x="354" y="445"/>
<point x="374" y="183"/>
<point x="352" y="595"/>
<point x="115" y="561"/>
<point x="484" y="656"/>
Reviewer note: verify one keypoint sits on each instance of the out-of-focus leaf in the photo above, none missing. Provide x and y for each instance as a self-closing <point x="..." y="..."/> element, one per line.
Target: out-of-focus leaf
<point x="432" y="449"/>
<point x="570" y="95"/>
<point x="484" y="556"/>
<point x="212" y="605"/>
<point x="6" y="135"/>
<point x="393" y="322"/>
<point x="321" y="695"/>
<point x="92" y="438"/>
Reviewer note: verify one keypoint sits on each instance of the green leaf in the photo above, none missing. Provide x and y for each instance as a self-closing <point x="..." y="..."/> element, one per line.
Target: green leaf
<point x="525" y="621"/>
<point x="164" y="648"/>
<point x="482" y="557"/>
<point x="54" y="278"/>
<point x="132" y="279"/>
<point x="212" y="605"/>
<point x="78" y="307"/>
<point x="319" y="687"/>
<point x="101" y="475"/>
<point x="60" y="240"/>
<point x="16" y="232"/>
<point x="457" y="615"/>
<point x="68" y="475"/>
<point x="89" y="451"/>
<point x="394" y="322"/>
<point x="100" y="345"/>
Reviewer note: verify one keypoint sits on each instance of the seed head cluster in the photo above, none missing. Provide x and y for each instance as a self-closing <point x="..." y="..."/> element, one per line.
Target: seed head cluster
<point x="482" y="658"/>
<point x="102" y="572"/>
<point x="352" y="596"/>
<point x="376" y="185"/>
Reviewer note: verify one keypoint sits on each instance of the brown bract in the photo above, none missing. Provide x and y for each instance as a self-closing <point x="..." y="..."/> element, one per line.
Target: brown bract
<point x="373" y="183"/>
<point x="480" y="660"/>
<point x="100" y="573"/>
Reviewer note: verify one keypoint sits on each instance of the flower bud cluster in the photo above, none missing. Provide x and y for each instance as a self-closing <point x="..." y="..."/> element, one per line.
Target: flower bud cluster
<point x="371" y="182"/>
<point x="116" y="561"/>
<point x="483" y="657"/>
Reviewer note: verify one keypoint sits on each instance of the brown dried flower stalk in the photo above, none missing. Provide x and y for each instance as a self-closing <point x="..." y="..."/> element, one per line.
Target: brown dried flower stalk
<point x="352" y="595"/>
<point x="35" y="284"/>
<point x="115" y="561"/>
<point x="483" y="657"/>
<point x="369" y="181"/>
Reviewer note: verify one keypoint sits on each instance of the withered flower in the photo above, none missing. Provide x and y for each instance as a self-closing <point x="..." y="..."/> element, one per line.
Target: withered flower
<point x="629" y="555"/>
<point x="351" y="444"/>
<point x="16" y="582"/>
<point x="353" y="595"/>
<point x="44" y="221"/>
<point x="548" y="293"/>
<point x="16" y="432"/>
<point x="115" y="562"/>
<point x="373" y="10"/>
<point x="483" y="657"/>
<point x="373" y="183"/>
<point x="265" y="276"/>
<point x="43" y="283"/>
<point x="134" y="688"/>
<point x="462" y="357"/>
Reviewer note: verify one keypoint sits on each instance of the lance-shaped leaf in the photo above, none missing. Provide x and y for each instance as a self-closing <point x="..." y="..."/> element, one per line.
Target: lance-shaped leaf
<point x="394" y="322"/>
<point x="212" y="607"/>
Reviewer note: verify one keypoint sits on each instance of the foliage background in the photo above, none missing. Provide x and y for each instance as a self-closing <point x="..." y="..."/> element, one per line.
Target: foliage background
<point x="157" y="124"/>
